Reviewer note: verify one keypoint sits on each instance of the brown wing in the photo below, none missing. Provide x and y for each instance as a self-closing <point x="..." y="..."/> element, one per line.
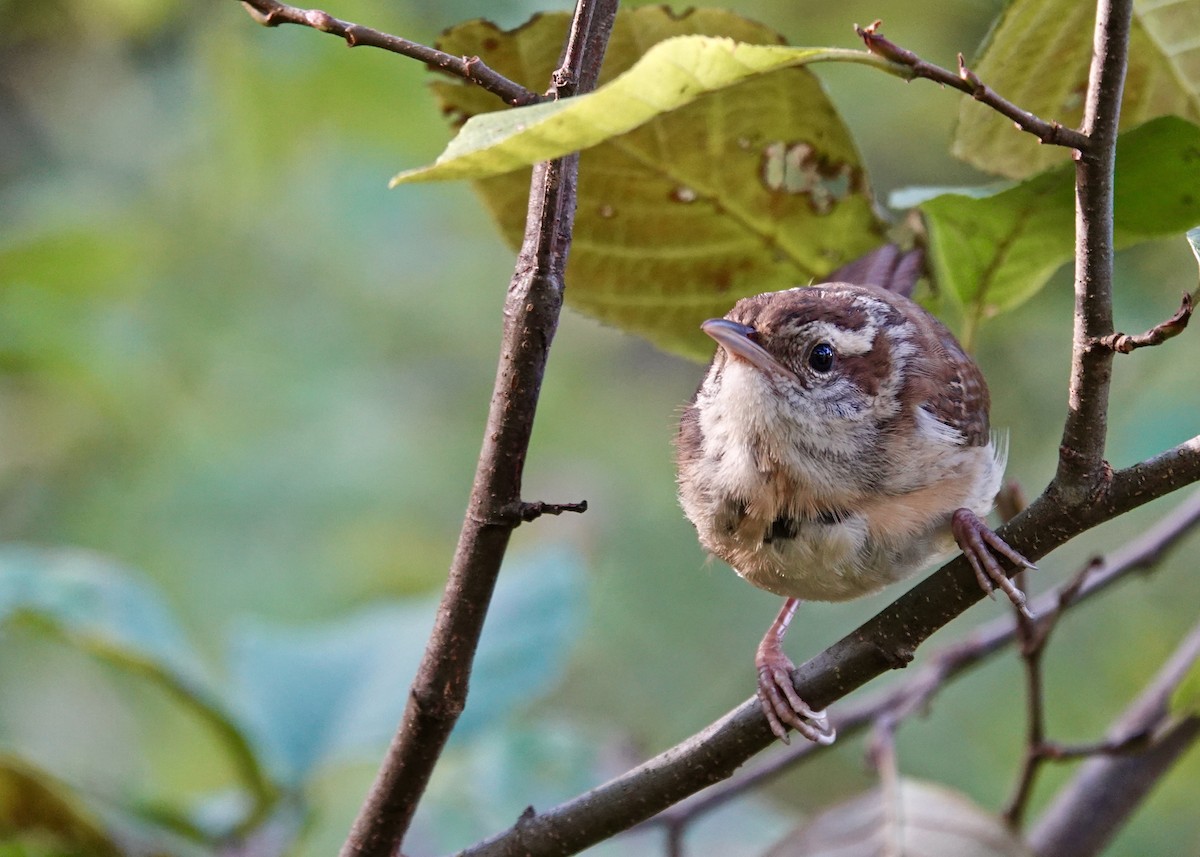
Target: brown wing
<point x="960" y="398"/>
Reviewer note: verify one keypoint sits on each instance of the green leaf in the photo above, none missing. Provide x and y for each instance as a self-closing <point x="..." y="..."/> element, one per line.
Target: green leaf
<point x="1037" y="57"/>
<point x="990" y="253"/>
<point x="106" y="611"/>
<point x="918" y="820"/>
<point x="36" y="807"/>
<point x="335" y="692"/>
<point x="1185" y="699"/>
<point x="749" y="188"/>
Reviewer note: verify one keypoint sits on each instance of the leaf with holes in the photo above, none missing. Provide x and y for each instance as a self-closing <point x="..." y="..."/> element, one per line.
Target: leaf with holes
<point x="1037" y="57"/>
<point x="694" y="191"/>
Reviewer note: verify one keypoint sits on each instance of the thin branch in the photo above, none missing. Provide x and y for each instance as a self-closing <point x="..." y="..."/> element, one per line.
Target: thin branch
<point x="1123" y="343"/>
<point x="1081" y="465"/>
<point x="887" y="641"/>
<point x="531" y="312"/>
<point x="531" y="511"/>
<point x="915" y="692"/>
<point x="967" y="81"/>
<point x="1096" y="803"/>
<point x="271" y="13"/>
<point x="1033" y="635"/>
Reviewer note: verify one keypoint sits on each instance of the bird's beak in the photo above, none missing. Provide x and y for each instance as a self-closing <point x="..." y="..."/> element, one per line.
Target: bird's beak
<point x="735" y="339"/>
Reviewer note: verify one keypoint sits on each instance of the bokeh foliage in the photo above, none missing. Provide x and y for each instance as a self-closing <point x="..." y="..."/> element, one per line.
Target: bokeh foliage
<point x="242" y="391"/>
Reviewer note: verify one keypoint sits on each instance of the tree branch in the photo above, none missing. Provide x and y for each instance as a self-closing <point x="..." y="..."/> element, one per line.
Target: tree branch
<point x="1033" y="635"/>
<point x="914" y="692"/>
<point x="271" y="13"/>
<point x="1081" y="466"/>
<point x="967" y="81"/>
<point x="1124" y="343"/>
<point x="885" y="642"/>
<point x="531" y="312"/>
<point x="1096" y="803"/>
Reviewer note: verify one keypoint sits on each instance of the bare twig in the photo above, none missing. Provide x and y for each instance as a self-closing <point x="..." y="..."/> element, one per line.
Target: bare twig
<point x="1123" y="343"/>
<point x="271" y="13"/>
<point x="531" y="312"/>
<point x="1096" y="803"/>
<point x="967" y="81"/>
<point x="914" y="692"/>
<point x="1033" y="635"/>
<point x="531" y="511"/>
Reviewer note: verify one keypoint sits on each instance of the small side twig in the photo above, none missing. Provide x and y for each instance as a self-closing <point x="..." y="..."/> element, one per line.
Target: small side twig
<point x="271" y="13"/>
<point x="1123" y="343"/>
<point x="1051" y="133"/>
<point x="531" y="511"/>
<point x="1032" y="636"/>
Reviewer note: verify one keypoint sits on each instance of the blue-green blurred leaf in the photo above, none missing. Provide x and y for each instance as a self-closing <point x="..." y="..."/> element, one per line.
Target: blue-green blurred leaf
<point x="481" y="786"/>
<point x="313" y="695"/>
<point x="533" y="620"/>
<point x="106" y="611"/>
<point x="94" y="602"/>
<point x="1193" y="240"/>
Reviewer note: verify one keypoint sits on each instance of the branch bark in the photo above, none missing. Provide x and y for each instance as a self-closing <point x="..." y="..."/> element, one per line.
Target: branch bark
<point x="271" y="13"/>
<point x="885" y="642"/>
<point x="1099" y="800"/>
<point x="1081" y="465"/>
<point x="531" y="312"/>
<point x="915" y="691"/>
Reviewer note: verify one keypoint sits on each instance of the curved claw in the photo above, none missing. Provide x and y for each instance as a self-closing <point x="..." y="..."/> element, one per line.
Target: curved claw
<point x="980" y="546"/>
<point x="785" y="709"/>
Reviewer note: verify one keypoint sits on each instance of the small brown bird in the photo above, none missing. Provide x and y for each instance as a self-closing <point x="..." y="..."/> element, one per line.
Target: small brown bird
<point x="838" y="443"/>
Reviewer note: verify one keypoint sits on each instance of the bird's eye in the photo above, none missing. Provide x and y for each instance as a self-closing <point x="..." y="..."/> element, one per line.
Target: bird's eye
<point x="821" y="357"/>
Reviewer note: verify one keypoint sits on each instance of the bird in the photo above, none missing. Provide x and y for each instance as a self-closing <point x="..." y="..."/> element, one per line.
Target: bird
<point x="838" y="442"/>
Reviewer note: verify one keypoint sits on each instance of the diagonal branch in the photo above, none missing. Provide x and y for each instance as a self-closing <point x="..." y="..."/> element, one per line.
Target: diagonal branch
<point x="885" y="642"/>
<point x="967" y="81"/>
<point x="531" y="312"/>
<point x="914" y="692"/>
<point x="271" y="13"/>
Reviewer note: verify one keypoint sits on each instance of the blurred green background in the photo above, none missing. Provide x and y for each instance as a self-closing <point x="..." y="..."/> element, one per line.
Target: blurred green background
<point x="232" y="360"/>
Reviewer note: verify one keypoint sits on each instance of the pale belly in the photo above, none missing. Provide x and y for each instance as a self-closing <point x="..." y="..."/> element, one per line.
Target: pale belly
<point x="826" y="561"/>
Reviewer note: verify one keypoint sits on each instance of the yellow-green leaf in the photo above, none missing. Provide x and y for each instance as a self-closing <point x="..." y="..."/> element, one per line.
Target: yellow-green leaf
<point x="744" y="189"/>
<point x="672" y="74"/>
<point x="1037" y="56"/>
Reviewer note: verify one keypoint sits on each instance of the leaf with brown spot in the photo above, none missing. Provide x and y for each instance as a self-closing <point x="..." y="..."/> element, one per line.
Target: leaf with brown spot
<point x="735" y="190"/>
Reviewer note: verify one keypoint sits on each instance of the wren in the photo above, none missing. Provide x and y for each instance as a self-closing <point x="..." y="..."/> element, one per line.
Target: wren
<point x="839" y="442"/>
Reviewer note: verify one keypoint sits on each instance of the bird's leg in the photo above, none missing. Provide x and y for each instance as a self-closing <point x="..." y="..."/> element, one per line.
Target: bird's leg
<point x="780" y="702"/>
<point x="980" y="546"/>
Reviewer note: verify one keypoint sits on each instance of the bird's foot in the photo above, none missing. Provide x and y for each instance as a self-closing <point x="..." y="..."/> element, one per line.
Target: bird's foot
<point x="781" y="704"/>
<point x="980" y="546"/>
